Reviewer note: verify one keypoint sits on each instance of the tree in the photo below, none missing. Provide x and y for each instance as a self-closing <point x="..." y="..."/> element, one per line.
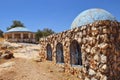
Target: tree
<point x="43" y="33"/>
<point x="47" y="32"/>
<point x="38" y="34"/>
<point x="1" y="33"/>
<point x="16" y="23"/>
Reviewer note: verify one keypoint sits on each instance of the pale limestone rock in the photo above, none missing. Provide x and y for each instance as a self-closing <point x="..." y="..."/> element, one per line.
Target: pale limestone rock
<point x="7" y="64"/>
<point x="88" y="50"/>
<point x="76" y="36"/>
<point x="94" y="41"/>
<point x="94" y="28"/>
<point x="86" y="78"/>
<point x="79" y="40"/>
<point x="76" y="29"/>
<point x="84" y="27"/>
<point x="93" y="78"/>
<point x="98" y="74"/>
<point x="81" y="28"/>
<point x="84" y="32"/>
<point x="84" y="40"/>
<point x="103" y="45"/>
<point x="91" y="72"/>
<point x="105" y="31"/>
<point x="93" y="50"/>
<point x="104" y="67"/>
<point x="83" y="47"/>
<point x="103" y="58"/>
<point x="98" y="37"/>
<point x="80" y="33"/>
<point x="103" y="77"/>
<point x="96" y="57"/>
<point x="84" y="70"/>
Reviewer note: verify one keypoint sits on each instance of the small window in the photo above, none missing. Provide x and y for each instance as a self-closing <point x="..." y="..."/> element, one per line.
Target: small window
<point x="59" y="53"/>
<point x="75" y="53"/>
<point x="49" y="52"/>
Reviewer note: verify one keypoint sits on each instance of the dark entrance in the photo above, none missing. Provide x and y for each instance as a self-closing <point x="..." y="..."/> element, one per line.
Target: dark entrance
<point x="59" y="53"/>
<point x="75" y="53"/>
<point x="49" y="52"/>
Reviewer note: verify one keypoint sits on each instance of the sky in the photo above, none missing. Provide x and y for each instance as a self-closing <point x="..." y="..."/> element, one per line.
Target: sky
<point x="57" y="15"/>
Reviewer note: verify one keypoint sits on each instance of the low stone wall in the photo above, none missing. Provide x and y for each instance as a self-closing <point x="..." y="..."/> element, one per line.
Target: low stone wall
<point x="100" y="50"/>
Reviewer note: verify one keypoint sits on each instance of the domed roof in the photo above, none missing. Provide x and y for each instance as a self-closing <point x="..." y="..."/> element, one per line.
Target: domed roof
<point x="90" y="16"/>
<point x="19" y="29"/>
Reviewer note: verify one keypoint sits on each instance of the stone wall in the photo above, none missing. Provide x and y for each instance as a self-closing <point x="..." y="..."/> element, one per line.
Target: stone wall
<point x="100" y="50"/>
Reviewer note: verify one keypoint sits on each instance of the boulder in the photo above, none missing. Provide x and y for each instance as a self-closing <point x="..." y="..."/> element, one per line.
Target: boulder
<point x="7" y="65"/>
<point x="3" y="47"/>
<point x="7" y="55"/>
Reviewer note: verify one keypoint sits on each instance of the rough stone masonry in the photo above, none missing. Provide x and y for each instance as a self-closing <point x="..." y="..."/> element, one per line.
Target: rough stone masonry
<point x="92" y="52"/>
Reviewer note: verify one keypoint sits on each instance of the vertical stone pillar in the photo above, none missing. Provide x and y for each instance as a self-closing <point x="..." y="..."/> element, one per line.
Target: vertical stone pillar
<point x="29" y="35"/>
<point x="13" y="36"/>
<point x="33" y="35"/>
<point x="21" y="37"/>
<point x="6" y="36"/>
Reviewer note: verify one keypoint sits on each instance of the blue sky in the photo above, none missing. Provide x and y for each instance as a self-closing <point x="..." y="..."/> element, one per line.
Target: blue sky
<point x="54" y="14"/>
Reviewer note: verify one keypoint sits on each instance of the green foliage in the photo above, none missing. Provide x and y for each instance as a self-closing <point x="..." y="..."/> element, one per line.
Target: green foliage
<point x="38" y="34"/>
<point x="43" y="33"/>
<point x="1" y="33"/>
<point x="16" y="23"/>
<point x="47" y="32"/>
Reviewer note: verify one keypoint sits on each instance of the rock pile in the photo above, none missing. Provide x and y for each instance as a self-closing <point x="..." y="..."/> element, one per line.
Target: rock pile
<point x="6" y="50"/>
<point x="8" y="45"/>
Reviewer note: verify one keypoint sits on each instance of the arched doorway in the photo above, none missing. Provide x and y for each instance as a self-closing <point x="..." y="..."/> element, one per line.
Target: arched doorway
<point x="75" y="53"/>
<point x="59" y="53"/>
<point x="49" y="52"/>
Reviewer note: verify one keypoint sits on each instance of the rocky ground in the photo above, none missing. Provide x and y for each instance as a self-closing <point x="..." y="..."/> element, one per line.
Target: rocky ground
<point x="26" y="65"/>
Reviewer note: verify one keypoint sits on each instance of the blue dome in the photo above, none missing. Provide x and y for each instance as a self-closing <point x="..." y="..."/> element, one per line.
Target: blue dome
<point x="90" y="16"/>
<point x="19" y="29"/>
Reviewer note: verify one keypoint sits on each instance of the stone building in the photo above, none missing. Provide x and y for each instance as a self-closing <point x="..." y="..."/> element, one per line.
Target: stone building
<point x="90" y="49"/>
<point x="19" y="34"/>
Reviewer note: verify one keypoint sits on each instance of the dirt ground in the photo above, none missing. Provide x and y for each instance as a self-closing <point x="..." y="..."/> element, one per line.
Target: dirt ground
<point x="24" y="67"/>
